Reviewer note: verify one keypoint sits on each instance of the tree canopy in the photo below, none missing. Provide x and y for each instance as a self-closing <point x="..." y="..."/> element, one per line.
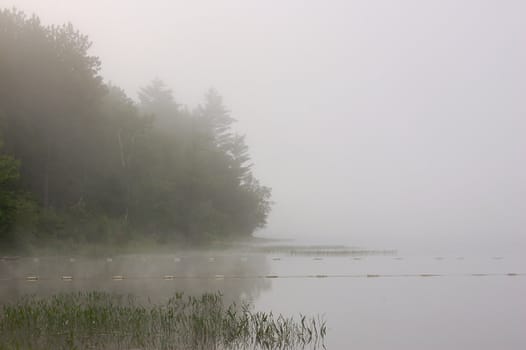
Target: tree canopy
<point x="83" y="162"/>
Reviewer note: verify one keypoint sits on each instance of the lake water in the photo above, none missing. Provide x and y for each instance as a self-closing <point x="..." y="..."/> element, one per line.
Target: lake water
<point x="371" y="300"/>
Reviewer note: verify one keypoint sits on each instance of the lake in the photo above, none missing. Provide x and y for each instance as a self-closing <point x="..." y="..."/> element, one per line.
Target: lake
<point x="371" y="299"/>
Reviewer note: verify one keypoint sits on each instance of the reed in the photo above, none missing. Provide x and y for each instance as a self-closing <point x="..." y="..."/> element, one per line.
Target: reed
<point x="98" y="320"/>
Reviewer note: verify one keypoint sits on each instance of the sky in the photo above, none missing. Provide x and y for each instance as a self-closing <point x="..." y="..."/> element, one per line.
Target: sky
<point x="372" y="120"/>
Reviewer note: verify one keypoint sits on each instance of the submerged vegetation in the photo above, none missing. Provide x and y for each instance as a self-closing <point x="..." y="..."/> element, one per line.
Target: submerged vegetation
<point x="81" y="163"/>
<point x="107" y="321"/>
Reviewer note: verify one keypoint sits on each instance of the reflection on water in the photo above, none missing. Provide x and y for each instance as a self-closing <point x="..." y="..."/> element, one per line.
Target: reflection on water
<point x="156" y="277"/>
<point x="385" y="301"/>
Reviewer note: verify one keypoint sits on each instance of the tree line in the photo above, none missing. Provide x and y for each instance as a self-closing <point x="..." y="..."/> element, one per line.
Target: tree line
<point x="81" y="162"/>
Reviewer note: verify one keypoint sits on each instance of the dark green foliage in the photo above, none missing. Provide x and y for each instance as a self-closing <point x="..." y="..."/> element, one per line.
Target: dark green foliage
<point x="9" y="176"/>
<point x="101" y="168"/>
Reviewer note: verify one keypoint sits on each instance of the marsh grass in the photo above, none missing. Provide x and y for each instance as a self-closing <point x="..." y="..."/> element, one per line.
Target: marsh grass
<point x="97" y="320"/>
<point x="320" y="250"/>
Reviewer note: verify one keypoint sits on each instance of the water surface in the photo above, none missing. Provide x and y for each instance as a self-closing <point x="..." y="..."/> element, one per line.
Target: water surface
<point x="388" y="300"/>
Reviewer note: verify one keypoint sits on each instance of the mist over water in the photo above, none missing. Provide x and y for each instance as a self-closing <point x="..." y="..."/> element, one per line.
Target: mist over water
<point x="393" y="135"/>
<point x="371" y="301"/>
<point x="368" y="120"/>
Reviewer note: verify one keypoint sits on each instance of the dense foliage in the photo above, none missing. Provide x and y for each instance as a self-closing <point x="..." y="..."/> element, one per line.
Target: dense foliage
<point x="82" y="162"/>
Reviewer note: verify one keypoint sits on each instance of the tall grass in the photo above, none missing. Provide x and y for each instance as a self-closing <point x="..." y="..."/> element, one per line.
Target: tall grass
<point x="98" y="320"/>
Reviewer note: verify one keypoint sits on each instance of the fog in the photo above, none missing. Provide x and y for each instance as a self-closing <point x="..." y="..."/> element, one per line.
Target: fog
<point x="373" y="121"/>
<point x="151" y="277"/>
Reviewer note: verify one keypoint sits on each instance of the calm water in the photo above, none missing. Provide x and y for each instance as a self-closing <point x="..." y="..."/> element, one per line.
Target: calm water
<point x="451" y="311"/>
<point x="413" y="301"/>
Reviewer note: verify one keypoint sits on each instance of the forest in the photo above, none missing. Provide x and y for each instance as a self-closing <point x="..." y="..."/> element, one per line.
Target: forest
<point x="83" y="163"/>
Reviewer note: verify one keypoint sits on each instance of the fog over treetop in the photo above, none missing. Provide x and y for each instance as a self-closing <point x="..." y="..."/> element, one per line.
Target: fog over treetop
<point x="366" y="118"/>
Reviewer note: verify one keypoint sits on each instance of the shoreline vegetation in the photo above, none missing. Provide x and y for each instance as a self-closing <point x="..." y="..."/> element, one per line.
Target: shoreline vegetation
<point x="84" y="165"/>
<point x="137" y="246"/>
<point x="240" y="246"/>
<point x="85" y="170"/>
<point x="110" y="321"/>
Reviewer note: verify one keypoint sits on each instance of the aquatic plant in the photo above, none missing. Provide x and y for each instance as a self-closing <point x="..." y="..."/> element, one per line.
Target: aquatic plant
<point x="98" y="320"/>
<point x="320" y="250"/>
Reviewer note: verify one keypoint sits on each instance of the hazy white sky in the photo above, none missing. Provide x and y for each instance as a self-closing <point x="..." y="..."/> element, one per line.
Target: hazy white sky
<point x="367" y="118"/>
